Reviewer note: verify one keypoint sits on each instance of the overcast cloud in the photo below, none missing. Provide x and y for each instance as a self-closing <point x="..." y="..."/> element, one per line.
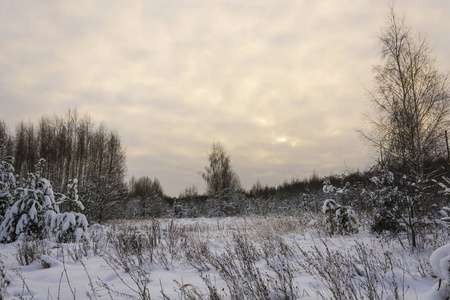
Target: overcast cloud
<point x="279" y="83"/>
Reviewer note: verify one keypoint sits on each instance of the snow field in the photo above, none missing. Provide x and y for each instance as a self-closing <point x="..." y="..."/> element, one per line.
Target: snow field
<point x="219" y="258"/>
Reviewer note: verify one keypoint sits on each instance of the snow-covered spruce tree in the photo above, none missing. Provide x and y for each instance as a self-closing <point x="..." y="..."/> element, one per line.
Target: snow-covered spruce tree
<point x="338" y="218"/>
<point x="384" y="198"/>
<point x="33" y="198"/>
<point x="68" y="226"/>
<point x="400" y="206"/>
<point x="70" y="201"/>
<point x="35" y="212"/>
<point x="329" y="209"/>
<point x="7" y="181"/>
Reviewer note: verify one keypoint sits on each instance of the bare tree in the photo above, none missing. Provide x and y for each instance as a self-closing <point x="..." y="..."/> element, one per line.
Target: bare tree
<point x="147" y="197"/>
<point x="189" y="192"/>
<point x="223" y="186"/>
<point x="411" y="100"/>
<point x="74" y="147"/>
<point x="220" y="177"/>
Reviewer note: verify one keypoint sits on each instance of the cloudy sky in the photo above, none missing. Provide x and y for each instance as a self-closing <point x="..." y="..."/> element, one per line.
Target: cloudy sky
<point x="280" y="83"/>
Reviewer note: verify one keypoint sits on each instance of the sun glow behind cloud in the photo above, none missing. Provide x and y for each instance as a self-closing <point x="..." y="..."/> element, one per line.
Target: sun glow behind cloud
<point x="279" y="83"/>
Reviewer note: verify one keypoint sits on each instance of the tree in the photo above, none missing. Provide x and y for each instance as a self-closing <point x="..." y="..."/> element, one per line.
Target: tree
<point x="412" y="103"/>
<point x="220" y="177"/>
<point x="222" y="182"/>
<point x="146" y="197"/>
<point x="102" y="198"/>
<point x="35" y="212"/>
<point x="73" y="147"/>
<point x="338" y="218"/>
<point x="189" y="192"/>
<point x="410" y="98"/>
<point x="7" y="180"/>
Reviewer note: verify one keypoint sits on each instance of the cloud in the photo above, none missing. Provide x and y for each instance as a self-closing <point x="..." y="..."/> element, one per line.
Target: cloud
<point x="173" y="77"/>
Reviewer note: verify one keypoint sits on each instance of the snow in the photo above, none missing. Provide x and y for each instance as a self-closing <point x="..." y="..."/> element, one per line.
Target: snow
<point x="79" y="234"/>
<point x="437" y="292"/>
<point x="21" y="224"/>
<point x="440" y="262"/>
<point x="313" y="222"/>
<point x="33" y="213"/>
<point x="68" y="220"/>
<point x="15" y="208"/>
<point x="329" y="204"/>
<point x="91" y="268"/>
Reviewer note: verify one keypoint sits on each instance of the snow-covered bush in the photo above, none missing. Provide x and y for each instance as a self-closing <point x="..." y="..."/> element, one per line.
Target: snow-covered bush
<point x="340" y="219"/>
<point x="35" y="212"/>
<point x="440" y="262"/>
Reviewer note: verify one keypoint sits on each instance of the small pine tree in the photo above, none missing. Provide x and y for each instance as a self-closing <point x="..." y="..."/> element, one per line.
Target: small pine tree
<point x="35" y="212"/>
<point x="68" y="226"/>
<point x="329" y="209"/>
<point x="387" y="200"/>
<point x="338" y="218"/>
<point x="34" y="197"/>
<point x="7" y="181"/>
<point x="346" y="220"/>
<point x="70" y="201"/>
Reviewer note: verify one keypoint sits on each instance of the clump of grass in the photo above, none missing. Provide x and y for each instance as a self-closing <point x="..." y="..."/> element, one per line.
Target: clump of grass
<point x="29" y="251"/>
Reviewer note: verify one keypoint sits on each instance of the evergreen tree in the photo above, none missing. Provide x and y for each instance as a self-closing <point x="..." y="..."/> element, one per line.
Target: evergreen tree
<point x="7" y="181"/>
<point x="35" y="212"/>
<point x="338" y="218"/>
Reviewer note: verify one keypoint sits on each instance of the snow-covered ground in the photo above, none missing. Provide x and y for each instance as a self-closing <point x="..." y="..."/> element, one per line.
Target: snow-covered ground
<point x="237" y="258"/>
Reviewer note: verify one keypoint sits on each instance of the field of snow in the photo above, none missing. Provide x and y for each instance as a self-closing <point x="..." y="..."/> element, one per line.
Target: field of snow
<point x="222" y="258"/>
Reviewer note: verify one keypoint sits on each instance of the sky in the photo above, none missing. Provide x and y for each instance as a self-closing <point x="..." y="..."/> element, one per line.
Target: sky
<point x="282" y="85"/>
